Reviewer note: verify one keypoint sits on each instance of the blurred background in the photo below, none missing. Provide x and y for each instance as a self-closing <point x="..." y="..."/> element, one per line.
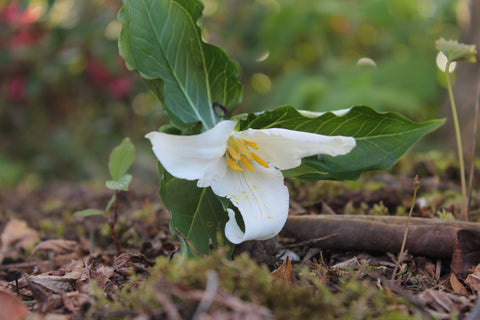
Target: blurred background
<point x="66" y="98"/>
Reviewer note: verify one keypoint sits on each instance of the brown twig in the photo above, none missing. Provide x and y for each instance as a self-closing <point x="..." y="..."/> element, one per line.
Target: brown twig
<point x="309" y="242"/>
<point x="188" y="243"/>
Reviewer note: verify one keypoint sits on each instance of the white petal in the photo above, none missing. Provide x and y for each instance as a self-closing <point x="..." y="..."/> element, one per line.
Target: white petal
<point x="196" y="156"/>
<point x="261" y="198"/>
<point x="314" y="114"/>
<point x="285" y="148"/>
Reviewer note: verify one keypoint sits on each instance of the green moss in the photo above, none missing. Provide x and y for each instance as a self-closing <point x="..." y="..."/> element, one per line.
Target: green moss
<point x="175" y="280"/>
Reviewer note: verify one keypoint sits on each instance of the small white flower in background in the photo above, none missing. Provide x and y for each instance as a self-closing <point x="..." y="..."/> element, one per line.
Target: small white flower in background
<point x="244" y="166"/>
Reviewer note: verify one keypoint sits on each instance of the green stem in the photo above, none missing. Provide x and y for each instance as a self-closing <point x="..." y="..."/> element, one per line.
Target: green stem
<point x="459" y="142"/>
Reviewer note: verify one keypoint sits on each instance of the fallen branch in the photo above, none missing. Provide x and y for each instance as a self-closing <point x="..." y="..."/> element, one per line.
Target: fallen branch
<point x="426" y="237"/>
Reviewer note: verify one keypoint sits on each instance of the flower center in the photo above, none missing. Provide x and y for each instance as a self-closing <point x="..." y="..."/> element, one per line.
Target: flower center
<point x="239" y="155"/>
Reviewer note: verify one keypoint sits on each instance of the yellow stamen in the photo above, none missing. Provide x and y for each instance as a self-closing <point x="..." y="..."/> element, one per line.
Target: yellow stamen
<point x="243" y="149"/>
<point x="250" y="144"/>
<point x="233" y="153"/>
<point x="259" y="160"/>
<point x="233" y="165"/>
<point x="247" y="164"/>
<point x="239" y="156"/>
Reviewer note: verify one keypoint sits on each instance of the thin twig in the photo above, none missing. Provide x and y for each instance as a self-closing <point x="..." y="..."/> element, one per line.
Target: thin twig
<point x="416" y="184"/>
<point x="310" y="241"/>
<point x="474" y="146"/>
<point x="188" y="243"/>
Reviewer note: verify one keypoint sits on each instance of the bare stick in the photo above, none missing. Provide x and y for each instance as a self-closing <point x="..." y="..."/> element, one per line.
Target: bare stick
<point x="427" y="237"/>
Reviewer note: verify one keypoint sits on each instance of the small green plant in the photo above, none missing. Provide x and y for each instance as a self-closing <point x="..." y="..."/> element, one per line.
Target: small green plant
<point x="120" y="160"/>
<point x="454" y="51"/>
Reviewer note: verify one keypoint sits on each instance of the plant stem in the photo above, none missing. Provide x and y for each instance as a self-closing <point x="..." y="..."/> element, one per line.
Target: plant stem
<point x="112" y="222"/>
<point x="459" y="142"/>
<point x="474" y="146"/>
<point x="416" y="185"/>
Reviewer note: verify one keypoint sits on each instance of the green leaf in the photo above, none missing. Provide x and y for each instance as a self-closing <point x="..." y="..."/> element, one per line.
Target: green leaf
<point x="161" y="40"/>
<point x="89" y="212"/>
<point x="121" y="159"/>
<point x="124" y="48"/>
<point x="120" y="184"/>
<point x="455" y="51"/>
<point x="196" y="212"/>
<point x="382" y="138"/>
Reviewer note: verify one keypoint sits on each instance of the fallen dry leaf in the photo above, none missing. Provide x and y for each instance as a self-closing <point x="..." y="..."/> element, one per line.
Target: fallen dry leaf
<point x="284" y="272"/>
<point x="126" y="262"/>
<point x="443" y="302"/>
<point x="48" y="316"/>
<point x="473" y="279"/>
<point x="457" y="286"/>
<point x="12" y="307"/>
<point x="467" y="252"/>
<point x="58" y="246"/>
<point x="64" y="279"/>
<point x="74" y="301"/>
<point x="15" y="236"/>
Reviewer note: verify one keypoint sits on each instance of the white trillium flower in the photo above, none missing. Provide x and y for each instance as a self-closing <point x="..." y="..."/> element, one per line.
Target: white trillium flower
<point x="244" y="166"/>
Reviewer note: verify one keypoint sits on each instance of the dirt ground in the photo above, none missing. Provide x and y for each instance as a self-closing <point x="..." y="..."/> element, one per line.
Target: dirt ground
<point x="55" y="265"/>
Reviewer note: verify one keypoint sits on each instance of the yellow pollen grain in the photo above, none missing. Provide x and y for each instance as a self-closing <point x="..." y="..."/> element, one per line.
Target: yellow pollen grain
<point x="259" y="160"/>
<point x="233" y="165"/>
<point x="247" y="164"/>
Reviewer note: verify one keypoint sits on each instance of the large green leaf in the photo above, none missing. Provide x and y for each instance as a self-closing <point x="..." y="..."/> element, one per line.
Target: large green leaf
<point x="161" y="40"/>
<point x="382" y="138"/>
<point x="196" y="212"/>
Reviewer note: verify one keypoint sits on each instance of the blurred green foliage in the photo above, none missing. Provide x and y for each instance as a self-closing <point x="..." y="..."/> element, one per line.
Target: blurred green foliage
<point x="306" y="53"/>
<point x="66" y="97"/>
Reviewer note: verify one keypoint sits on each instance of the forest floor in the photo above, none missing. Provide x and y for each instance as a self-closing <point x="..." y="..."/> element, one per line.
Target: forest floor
<point x="54" y="265"/>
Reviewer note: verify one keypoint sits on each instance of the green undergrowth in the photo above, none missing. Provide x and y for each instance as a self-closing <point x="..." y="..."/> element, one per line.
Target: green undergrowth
<point x="244" y="289"/>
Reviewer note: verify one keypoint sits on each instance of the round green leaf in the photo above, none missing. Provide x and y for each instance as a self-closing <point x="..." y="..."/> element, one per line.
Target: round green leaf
<point x="120" y="184"/>
<point x="121" y="159"/>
